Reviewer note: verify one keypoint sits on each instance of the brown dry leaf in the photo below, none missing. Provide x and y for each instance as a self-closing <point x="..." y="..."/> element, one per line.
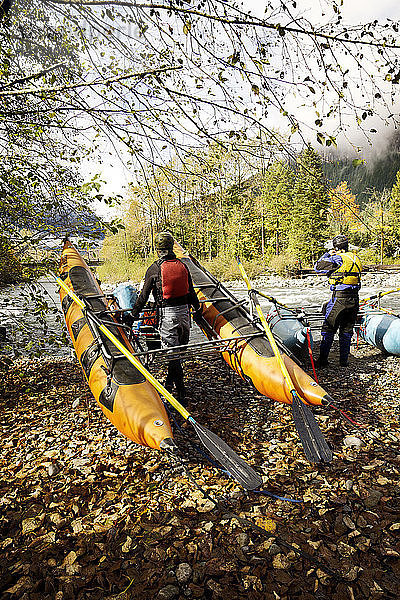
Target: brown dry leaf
<point x="347" y="521"/>
<point x="345" y="549"/>
<point x="337" y="516"/>
<point x="265" y="545"/>
<point x="77" y="526"/>
<point x="25" y="583"/>
<point x="280" y="561"/>
<point x="253" y="582"/>
<point x="372" y="465"/>
<point x="205" y="505"/>
<point x="363" y="544"/>
<point x="29" y="525"/>
<point x="56" y="518"/>
<point x="383" y="480"/>
<point x="103" y="524"/>
<point x="127" y="546"/>
<point x="69" y="559"/>
<point x="310" y="496"/>
<point x="41" y="543"/>
<point x="323" y="577"/>
<point x="163" y="531"/>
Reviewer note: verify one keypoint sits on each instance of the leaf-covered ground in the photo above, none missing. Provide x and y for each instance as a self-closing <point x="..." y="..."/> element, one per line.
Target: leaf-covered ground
<point x="86" y="514"/>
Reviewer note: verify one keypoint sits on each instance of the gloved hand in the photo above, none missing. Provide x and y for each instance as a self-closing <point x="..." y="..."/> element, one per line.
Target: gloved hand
<point x="128" y="318"/>
<point x="197" y="315"/>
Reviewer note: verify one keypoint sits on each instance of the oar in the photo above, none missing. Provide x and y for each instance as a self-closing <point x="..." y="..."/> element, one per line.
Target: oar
<point x="379" y="295"/>
<point x="230" y="461"/>
<point x="315" y="447"/>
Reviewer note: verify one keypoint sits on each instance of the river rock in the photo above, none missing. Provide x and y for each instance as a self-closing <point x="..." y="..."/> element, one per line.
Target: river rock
<point x="168" y="592"/>
<point x="53" y="469"/>
<point x="373" y="498"/>
<point x="183" y="572"/>
<point x="274" y="549"/>
<point x="352" y="441"/>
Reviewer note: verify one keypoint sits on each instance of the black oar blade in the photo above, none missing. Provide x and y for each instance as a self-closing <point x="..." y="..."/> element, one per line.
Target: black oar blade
<point x="314" y="444"/>
<point x="236" y="466"/>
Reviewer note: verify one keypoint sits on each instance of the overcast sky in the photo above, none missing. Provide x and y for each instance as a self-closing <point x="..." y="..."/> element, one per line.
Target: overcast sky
<point x="353" y="12"/>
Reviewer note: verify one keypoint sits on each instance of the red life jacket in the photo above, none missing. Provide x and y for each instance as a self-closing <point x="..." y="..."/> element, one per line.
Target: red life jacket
<point x="174" y="279"/>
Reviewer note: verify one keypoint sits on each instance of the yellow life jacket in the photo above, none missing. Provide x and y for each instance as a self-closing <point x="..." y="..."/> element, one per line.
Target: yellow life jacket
<point x="349" y="271"/>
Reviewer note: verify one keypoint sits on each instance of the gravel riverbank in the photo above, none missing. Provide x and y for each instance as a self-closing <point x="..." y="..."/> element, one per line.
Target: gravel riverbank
<point x="88" y="515"/>
<point x="30" y="333"/>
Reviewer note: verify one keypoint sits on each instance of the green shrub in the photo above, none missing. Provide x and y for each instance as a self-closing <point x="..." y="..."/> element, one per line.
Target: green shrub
<point x="284" y="264"/>
<point x="369" y="256"/>
<point x="226" y="268"/>
<point x="119" y="269"/>
<point x="10" y="265"/>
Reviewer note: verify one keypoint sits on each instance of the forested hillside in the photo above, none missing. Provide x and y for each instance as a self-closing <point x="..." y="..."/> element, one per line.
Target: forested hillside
<point x="270" y="210"/>
<point x="376" y="173"/>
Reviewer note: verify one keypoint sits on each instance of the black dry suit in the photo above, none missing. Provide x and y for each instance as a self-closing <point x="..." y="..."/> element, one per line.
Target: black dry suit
<point x="344" y="270"/>
<point x="171" y="284"/>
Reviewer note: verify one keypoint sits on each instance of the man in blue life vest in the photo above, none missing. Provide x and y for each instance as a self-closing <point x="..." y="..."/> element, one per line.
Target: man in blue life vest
<point x="344" y="271"/>
<point x="169" y="280"/>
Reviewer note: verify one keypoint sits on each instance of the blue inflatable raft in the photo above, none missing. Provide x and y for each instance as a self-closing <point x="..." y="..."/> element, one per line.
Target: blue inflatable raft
<point x="380" y="329"/>
<point x="292" y="330"/>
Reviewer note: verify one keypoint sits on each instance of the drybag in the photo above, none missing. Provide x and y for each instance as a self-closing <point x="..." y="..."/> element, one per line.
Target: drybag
<point x="126" y="295"/>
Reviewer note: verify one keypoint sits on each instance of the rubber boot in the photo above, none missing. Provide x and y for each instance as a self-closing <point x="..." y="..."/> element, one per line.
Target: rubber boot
<point x="324" y="349"/>
<point x="181" y="395"/>
<point x="170" y="380"/>
<point x="344" y="348"/>
<point x="180" y="386"/>
<point x="169" y="385"/>
<point x="175" y="375"/>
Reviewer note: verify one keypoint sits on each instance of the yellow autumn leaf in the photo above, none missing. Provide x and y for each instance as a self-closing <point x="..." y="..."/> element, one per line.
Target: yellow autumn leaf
<point x="266" y="524"/>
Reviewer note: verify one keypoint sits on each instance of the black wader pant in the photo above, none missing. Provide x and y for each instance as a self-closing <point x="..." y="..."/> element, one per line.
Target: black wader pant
<point x="340" y="314"/>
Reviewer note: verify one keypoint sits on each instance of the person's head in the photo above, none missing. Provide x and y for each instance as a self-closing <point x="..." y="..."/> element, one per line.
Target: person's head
<point x="164" y="243"/>
<point x="341" y="242"/>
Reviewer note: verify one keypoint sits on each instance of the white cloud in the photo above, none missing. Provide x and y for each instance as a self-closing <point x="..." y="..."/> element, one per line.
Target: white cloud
<point x="353" y="11"/>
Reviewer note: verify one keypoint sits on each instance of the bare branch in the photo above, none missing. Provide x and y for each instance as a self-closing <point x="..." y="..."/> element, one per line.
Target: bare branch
<point x="87" y="84"/>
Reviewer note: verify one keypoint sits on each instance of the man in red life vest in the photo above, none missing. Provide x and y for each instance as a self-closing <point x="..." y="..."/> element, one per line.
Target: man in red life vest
<point x="171" y="284"/>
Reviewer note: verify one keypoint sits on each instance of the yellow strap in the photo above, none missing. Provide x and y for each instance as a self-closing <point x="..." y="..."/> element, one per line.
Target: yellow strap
<point x="135" y="361"/>
<point x="268" y="331"/>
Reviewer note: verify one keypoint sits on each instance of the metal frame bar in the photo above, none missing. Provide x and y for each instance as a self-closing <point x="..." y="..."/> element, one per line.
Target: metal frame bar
<point x="216" y="344"/>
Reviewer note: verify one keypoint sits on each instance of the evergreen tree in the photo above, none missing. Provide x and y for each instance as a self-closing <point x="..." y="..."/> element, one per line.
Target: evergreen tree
<point x="310" y="207"/>
<point x="276" y="207"/>
<point x="395" y="208"/>
<point x="243" y="235"/>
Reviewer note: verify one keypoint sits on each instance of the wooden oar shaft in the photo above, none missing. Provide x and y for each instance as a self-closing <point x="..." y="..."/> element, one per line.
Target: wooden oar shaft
<point x="132" y="359"/>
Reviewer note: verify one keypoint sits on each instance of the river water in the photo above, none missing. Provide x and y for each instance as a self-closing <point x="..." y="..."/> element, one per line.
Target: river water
<point x="31" y="333"/>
